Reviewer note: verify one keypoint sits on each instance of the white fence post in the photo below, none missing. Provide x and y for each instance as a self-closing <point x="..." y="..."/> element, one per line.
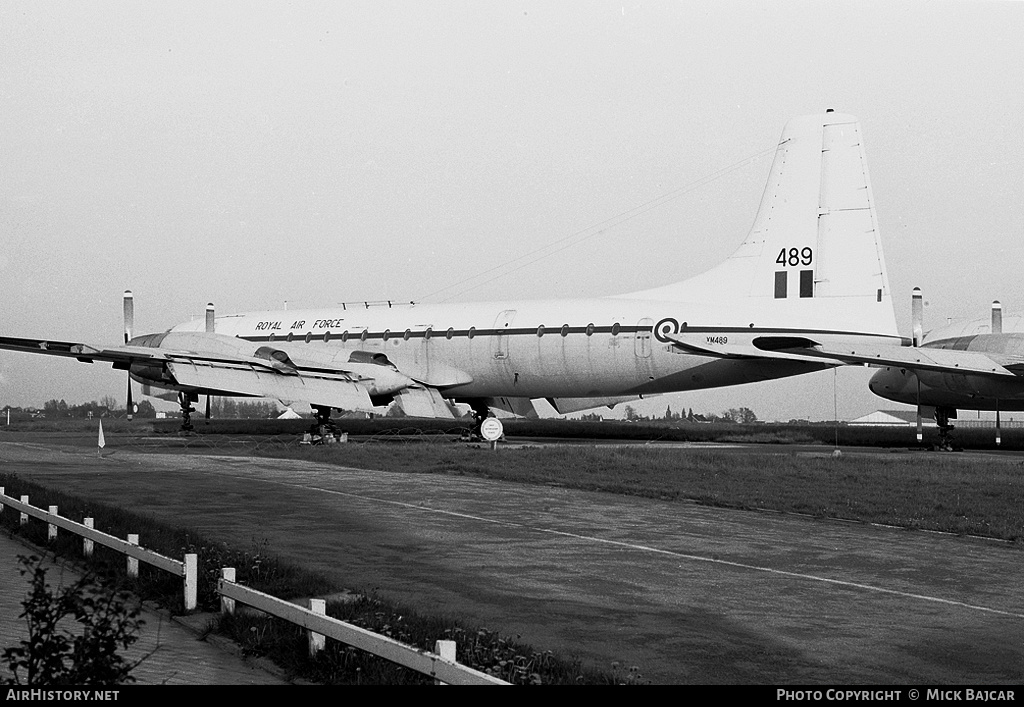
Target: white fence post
<point x="187" y="569"/>
<point x="425" y="662"/>
<point x="227" y="606"/>
<point x="317" y="641"/>
<point x="87" y="544"/>
<point x="133" y="564"/>
<point x="51" y="529"/>
<point x="191" y="581"/>
<point x="445" y="649"/>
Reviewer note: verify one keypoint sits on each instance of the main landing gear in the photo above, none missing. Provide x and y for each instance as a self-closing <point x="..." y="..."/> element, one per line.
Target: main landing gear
<point x="942" y="416"/>
<point x="323" y="430"/>
<point x="185" y="400"/>
<point x="480" y="413"/>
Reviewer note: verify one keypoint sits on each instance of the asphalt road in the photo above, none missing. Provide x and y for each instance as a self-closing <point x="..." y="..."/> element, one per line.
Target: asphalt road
<point x="687" y="594"/>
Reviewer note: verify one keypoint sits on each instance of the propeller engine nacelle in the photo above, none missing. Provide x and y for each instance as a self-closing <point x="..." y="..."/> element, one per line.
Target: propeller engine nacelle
<point x="957" y="390"/>
<point x="377" y="374"/>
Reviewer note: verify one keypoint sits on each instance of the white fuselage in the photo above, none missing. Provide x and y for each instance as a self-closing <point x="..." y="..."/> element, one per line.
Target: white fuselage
<point x="593" y="348"/>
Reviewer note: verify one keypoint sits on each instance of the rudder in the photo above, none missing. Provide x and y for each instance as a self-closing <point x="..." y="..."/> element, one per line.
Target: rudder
<point x="814" y="248"/>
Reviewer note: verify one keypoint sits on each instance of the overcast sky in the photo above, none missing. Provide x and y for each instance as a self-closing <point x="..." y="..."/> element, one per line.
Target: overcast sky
<point x="254" y="153"/>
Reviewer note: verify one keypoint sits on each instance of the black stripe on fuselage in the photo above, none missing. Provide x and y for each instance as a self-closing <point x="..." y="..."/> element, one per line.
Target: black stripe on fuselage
<point x="472" y="332"/>
<point x="349" y="336"/>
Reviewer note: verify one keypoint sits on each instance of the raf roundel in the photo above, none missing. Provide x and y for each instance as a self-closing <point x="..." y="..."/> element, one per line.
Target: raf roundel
<point x="665" y="328"/>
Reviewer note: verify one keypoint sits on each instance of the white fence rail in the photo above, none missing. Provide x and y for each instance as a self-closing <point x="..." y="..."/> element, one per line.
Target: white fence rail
<point x="441" y="665"/>
<point x="186" y="569"/>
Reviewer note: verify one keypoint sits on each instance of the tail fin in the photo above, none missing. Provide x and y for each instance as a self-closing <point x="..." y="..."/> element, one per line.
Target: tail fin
<point x="814" y="251"/>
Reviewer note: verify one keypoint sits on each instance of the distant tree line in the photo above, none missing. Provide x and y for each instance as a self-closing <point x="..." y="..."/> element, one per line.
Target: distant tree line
<point x="231" y="408"/>
<point x="106" y="407"/>
<point x="741" y="415"/>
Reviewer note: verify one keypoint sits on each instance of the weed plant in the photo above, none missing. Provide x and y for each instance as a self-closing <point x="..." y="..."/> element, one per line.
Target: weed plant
<point x="107" y="622"/>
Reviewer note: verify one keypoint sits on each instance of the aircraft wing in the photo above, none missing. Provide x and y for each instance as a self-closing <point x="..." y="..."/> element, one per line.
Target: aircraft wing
<point x="121" y="356"/>
<point x="797" y="348"/>
<point x="80" y="351"/>
<point x="219" y="365"/>
<point x="324" y="390"/>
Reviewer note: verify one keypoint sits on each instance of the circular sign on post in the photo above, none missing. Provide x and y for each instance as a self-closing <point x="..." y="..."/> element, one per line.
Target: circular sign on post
<point x="491" y="429"/>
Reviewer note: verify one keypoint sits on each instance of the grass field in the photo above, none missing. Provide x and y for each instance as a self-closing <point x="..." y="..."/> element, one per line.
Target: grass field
<point x="972" y="494"/>
<point x="821" y="433"/>
<point x="957" y="493"/>
<point x="925" y="491"/>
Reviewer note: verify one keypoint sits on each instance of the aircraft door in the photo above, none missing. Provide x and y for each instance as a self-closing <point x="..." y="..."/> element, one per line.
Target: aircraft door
<point x="501" y="327"/>
<point x="502" y="365"/>
<point x="642" y="344"/>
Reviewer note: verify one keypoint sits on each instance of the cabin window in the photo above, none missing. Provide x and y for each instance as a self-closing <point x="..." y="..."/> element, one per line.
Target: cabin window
<point x="472" y="332"/>
<point x="289" y="337"/>
<point x="590" y="329"/>
<point x="408" y="333"/>
<point x="615" y="329"/>
<point x="450" y="333"/>
<point x="362" y="337"/>
<point x="428" y="333"/>
<point x="344" y="336"/>
<point x="387" y="334"/>
<point x="565" y="330"/>
<point x="327" y="336"/>
<point x="540" y="330"/>
<point x="309" y="336"/>
<point x="271" y="337"/>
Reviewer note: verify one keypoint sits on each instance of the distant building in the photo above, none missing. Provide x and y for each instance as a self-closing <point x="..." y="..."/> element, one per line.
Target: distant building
<point x="908" y="418"/>
<point x="892" y="418"/>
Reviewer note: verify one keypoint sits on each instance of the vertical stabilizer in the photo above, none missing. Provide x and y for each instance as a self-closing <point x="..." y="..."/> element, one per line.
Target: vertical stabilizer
<point x="814" y="252"/>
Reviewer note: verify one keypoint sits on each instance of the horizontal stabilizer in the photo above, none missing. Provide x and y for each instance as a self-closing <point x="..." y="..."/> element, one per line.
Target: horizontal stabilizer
<point x="917" y="358"/>
<point x="802" y="349"/>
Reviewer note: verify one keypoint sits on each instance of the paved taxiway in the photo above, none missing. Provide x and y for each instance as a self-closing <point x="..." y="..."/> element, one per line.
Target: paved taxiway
<point x="686" y="593"/>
